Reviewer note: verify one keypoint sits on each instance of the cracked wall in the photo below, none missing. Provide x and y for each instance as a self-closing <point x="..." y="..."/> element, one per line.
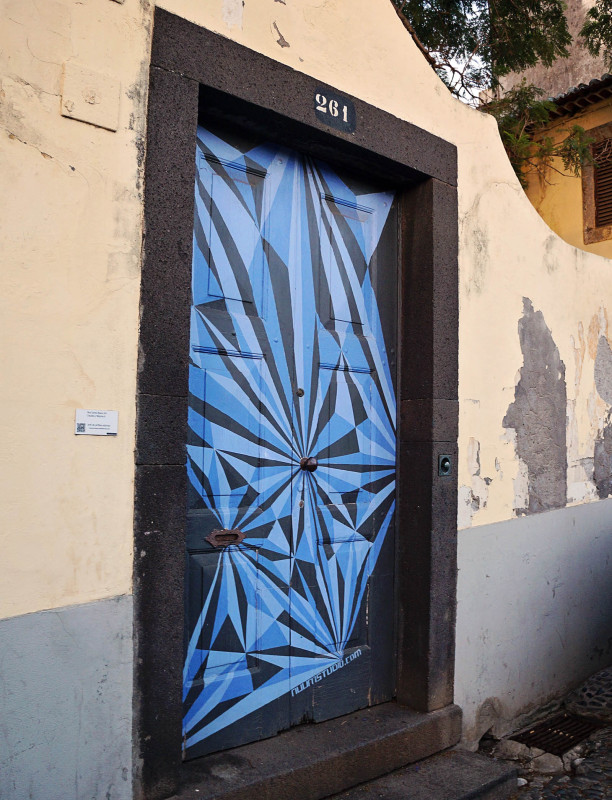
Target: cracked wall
<point x="537" y="415"/>
<point x="544" y="435"/>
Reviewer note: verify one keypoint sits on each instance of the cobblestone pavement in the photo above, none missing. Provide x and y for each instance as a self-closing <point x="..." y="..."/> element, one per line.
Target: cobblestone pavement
<point x="585" y="772"/>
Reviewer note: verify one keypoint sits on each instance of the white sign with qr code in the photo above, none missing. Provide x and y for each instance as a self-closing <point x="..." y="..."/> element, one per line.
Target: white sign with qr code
<point x="96" y="423"/>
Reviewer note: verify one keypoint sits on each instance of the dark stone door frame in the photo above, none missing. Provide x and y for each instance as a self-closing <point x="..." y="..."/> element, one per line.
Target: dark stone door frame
<point x="193" y="71"/>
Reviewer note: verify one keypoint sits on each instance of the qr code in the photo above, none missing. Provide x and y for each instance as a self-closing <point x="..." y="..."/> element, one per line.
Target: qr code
<point x="80" y="427"/>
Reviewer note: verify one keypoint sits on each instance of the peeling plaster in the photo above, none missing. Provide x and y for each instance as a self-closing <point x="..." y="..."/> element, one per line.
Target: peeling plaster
<point x="579" y="353"/>
<point x="472" y="498"/>
<point x="232" y="13"/>
<point x="538" y="414"/>
<point x="603" y="370"/>
<point x="602" y="459"/>
<point x="466" y="507"/>
<point x="488" y="717"/>
<point x="580" y="486"/>
<point x="281" y="39"/>
<point x="601" y="417"/>
<point x="597" y="327"/>
<point x="475" y="232"/>
<point x="480" y="250"/>
<point x="550" y="259"/>
<point x="521" y="488"/>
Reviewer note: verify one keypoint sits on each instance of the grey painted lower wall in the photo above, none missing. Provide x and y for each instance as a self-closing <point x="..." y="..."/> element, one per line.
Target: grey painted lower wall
<point x="534" y="614"/>
<point x="66" y="703"/>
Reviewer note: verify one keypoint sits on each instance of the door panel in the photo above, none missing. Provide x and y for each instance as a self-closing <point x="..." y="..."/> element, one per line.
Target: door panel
<point x="291" y="449"/>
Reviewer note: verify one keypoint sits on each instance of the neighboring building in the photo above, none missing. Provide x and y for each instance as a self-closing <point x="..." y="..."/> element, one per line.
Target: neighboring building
<point x="579" y="208"/>
<point x="290" y="272"/>
<point x="579" y="66"/>
<point x="575" y="208"/>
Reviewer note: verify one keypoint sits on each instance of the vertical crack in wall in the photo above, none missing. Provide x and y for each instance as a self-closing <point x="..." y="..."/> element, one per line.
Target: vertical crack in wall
<point x="538" y="414"/>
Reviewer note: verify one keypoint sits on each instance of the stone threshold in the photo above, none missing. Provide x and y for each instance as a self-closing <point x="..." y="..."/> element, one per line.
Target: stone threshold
<point x="315" y="761"/>
<point x="452" y="775"/>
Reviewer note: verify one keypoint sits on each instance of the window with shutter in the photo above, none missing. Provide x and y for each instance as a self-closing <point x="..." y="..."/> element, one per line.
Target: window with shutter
<point x="597" y="187"/>
<point x="602" y="155"/>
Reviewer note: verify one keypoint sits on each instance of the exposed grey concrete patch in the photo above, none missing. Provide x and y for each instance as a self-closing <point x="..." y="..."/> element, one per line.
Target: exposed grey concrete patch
<point x="66" y="703"/>
<point x="538" y="413"/>
<point x="603" y="370"/>
<point x="602" y="459"/>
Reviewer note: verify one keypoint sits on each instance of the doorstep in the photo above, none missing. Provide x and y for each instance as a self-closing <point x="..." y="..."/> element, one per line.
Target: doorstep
<point x="453" y="775"/>
<point x="314" y="761"/>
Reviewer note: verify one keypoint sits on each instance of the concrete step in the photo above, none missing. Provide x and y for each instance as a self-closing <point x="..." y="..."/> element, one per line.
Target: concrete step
<point x="315" y="761"/>
<point x="453" y="775"/>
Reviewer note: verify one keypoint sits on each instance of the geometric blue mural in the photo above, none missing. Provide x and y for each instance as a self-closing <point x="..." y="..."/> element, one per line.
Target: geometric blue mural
<point x="292" y="419"/>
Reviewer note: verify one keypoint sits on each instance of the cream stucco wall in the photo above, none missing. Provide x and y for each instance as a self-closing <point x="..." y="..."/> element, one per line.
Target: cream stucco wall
<point x="506" y="251"/>
<point x="70" y="240"/>
<point x="71" y="236"/>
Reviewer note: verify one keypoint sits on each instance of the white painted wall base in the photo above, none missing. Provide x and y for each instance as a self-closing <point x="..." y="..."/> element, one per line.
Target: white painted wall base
<point x="534" y="614"/>
<point x="66" y="703"/>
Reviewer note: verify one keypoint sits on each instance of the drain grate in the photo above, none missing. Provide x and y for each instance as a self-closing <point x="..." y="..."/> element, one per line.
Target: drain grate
<point x="558" y="734"/>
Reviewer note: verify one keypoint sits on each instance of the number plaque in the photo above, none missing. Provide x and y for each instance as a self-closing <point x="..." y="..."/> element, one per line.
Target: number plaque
<point x="334" y="110"/>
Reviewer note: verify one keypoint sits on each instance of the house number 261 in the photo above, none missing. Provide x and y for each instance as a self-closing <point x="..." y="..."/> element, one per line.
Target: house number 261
<point x="334" y="110"/>
<point x="332" y="107"/>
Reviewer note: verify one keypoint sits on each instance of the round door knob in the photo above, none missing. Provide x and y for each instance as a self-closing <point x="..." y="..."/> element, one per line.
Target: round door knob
<point x="309" y="463"/>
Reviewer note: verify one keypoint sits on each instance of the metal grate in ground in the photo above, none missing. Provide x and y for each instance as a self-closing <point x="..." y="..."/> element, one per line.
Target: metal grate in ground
<point x="558" y="734"/>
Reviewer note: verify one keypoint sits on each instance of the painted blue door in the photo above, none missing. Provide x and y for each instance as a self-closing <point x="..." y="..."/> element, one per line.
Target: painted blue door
<point x="291" y="449"/>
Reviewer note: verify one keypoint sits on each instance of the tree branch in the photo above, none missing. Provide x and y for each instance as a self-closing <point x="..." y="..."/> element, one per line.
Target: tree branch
<point x="412" y="32"/>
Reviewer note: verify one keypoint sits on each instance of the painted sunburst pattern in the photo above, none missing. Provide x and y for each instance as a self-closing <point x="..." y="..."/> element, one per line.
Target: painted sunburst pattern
<point x="288" y="363"/>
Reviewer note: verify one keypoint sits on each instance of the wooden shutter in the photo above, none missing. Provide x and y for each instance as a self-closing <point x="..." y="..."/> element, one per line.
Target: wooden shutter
<point x="602" y="154"/>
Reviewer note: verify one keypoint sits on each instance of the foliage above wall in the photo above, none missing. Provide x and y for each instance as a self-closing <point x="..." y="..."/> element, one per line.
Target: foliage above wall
<point x="597" y="30"/>
<point x="523" y="118"/>
<point x="472" y="46"/>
